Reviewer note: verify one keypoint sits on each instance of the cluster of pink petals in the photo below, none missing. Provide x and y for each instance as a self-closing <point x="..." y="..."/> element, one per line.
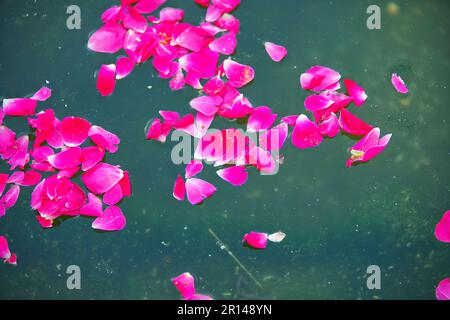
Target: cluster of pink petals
<point x="185" y="284"/>
<point x="58" y="152"/>
<point x="258" y="240"/>
<point x="5" y="253"/>
<point x="181" y="52"/>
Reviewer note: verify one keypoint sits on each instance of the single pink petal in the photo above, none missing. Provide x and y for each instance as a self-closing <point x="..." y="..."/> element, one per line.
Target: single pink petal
<point x="239" y="108"/>
<point x="238" y="75"/>
<point x="102" y="177"/>
<point x="112" y="219"/>
<point x="148" y="6"/>
<point x="226" y="44"/>
<point x="104" y="139"/>
<point x="165" y="66"/>
<point x="17" y="177"/>
<point x="12" y="260"/>
<point x="443" y="290"/>
<point x="10" y="197"/>
<point x="124" y="66"/>
<point x="203" y="3"/>
<point x="198" y="297"/>
<point x="211" y="28"/>
<point x="93" y="208"/>
<point x="202" y="124"/>
<point x="319" y="78"/>
<point x="198" y="190"/>
<point x="42" y="94"/>
<point x="256" y="240"/>
<point x="306" y="133"/>
<point x="19" y="107"/>
<point x="194" y="38"/>
<point x="352" y="124"/>
<point x="203" y="63"/>
<point x="125" y="184"/>
<point x="106" y="79"/>
<point x="41" y="154"/>
<point x="67" y="159"/>
<point x="193" y="168"/>
<point x="317" y="102"/>
<point x="45" y="223"/>
<point x="5" y="253"/>
<point x="19" y="156"/>
<point x="208" y="105"/>
<point x="30" y="178"/>
<point x="171" y="14"/>
<point x="112" y="15"/>
<point x="228" y="22"/>
<point x="68" y="173"/>
<point x="193" y="79"/>
<point x="113" y="195"/>
<point x="261" y="159"/>
<point x="3" y="180"/>
<point x="226" y="5"/>
<point x="213" y="13"/>
<point x="235" y="175"/>
<point x="91" y="156"/>
<point x="356" y="92"/>
<point x="399" y="84"/>
<point x="368" y="147"/>
<point x="185" y="284"/>
<point x="74" y="131"/>
<point x="442" y="231"/>
<point x="261" y="118"/>
<point x="7" y="138"/>
<point x="108" y="39"/>
<point x="275" y="52"/>
<point x="134" y="20"/>
<point x="177" y="82"/>
<point x="330" y="126"/>
<point x="157" y="130"/>
<point x="179" y="189"/>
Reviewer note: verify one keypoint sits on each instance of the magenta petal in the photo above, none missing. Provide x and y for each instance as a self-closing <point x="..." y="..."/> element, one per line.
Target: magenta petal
<point x="148" y="6"/>
<point x="256" y="240"/>
<point x="30" y="178"/>
<point x="193" y="168"/>
<point x="67" y="159"/>
<point x="194" y="39"/>
<point x="238" y="75"/>
<point x="171" y="14"/>
<point x="235" y="175"/>
<point x="3" y="180"/>
<point x="198" y="190"/>
<point x="93" y="208"/>
<point x="106" y="79"/>
<point x="306" y="133"/>
<point x="42" y="94"/>
<point x="108" y="39"/>
<point x="356" y="92"/>
<point x="226" y="5"/>
<point x="317" y="102"/>
<point x="198" y="297"/>
<point x="201" y="63"/>
<point x="226" y="44"/>
<point x="134" y="20"/>
<point x="352" y="124"/>
<point x="330" y="126"/>
<point x="206" y="104"/>
<point x="179" y="189"/>
<point x="45" y="223"/>
<point x="102" y="177"/>
<point x="213" y="13"/>
<point x="20" y="155"/>
<point x="5" y="253"/>
<point x="319" y="78"/>
<point x="7" y="138"/>
<point x="228" y="22"/>
<point x="443" y="290"/>
<point x="185" y="284"/>
<point x="124" y="66"/>
<point x="112" y="219"/>
<point x="275" y="52"/>
<point x="368" y="147"/>
<point x="20" y="107"/>
<point x="91" y="156"/>
<point x="177" y="82"/>
<point x="399" y="84"/>
<point x="74" y="131"/>
<point x="10" y="197"/>
<point x="113" y="195"/>
<point x="104" y="139"/>
<point x="442" y="231"/>
<point x="261" y="118"/>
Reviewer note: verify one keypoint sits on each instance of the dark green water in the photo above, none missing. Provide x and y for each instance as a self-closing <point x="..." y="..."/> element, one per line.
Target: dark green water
<point x="338" y="221"/>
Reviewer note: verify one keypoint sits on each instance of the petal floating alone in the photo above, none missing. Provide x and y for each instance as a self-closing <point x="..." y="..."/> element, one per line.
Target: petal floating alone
<point x="256" y="240"/>
<point x="42" y="94"/>
<point x="106" y="79"/>
<point x="193" y="168"/>
<point x="442" y="231"/>
<point x="275" y="52"/>
<point x="124" y="66"/>
<point x="198" y="190"/>
<point x="112" y="219"/>
<point x="179" y="189"/>
<point x="5" y="253"/>
<point x="236" y="175"/>
<point x="185" y="284"/>
<point x="277" y="236"/>
<point x="443" y="290"/>
<point x="399" y="84"/>
<point x="19" y="107"/>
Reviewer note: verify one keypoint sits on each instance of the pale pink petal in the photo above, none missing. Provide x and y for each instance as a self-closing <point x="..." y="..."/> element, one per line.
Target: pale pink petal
<point x="306" y="133"/>
<point x="235" y="175"/>
<point x="102" y="177"/>
<point x="443" y="290"/>
<point x="330" y="126"/>
<point x="179" y="189"/>
<point x="19" y="107"/>
<point x="10" y="197"/>
<point x="104" y="139"/>
<point x="106" y="79"/>
<point x="124" y="66"/>
<point x="442" y="231"/>
<point x="356" y="92"/>
<point x="208" y="105"/>
<point x="67" y="159"/>
<point x="256" y="240"/>
<point x="74" y="131"/>
<point x="261" y="118"/>
<point x="203" y="63"/>
<point x="112" y="219"/>
<point x="276" y="237"/>
<point x="193" y="168"/>
<point x="275" y="52"/>
<point x="238" y="75"/>
<point x="198" y="190"/>
<point x="185" y="284"/>
<point x="5" y="253"/>
<point x="148" y="6"/>
<point x="42" y="94"/>
<point x="93" y="208"/>
<point x="113" y="195"/>
<point x="17" y="177"/>
<point x="108" y="39"/>
<point x="91" y="156"/>
<point x="399" y="84"/>
<point x="226" y="44"/>
<point x="352" y="124"/>
<point x="319" y="78"/>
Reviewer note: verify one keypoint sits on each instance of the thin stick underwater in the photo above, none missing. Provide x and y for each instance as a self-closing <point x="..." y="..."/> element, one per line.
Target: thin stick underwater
<point x="239" y="263"/>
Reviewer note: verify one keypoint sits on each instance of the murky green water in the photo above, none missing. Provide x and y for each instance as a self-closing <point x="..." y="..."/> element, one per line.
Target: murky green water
<point x="338" y="220"/>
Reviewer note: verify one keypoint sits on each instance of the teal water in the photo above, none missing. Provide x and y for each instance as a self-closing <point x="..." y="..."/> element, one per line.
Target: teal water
<point x="338" y="221"/>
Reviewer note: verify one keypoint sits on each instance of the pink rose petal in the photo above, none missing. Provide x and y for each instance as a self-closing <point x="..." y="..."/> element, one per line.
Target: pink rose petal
<point x="19" y="107"/>
<point x="399" y="84"/>
<point x="93" y="208"/>
<point x="112" y="219"/>
<point x="193" y="168"/>
<point x="179" y="189"/>
<point x="106" y="79"/>
<point x="198" y="190"/>
<point x="443" y="290"/>
<point x="91" y="156"/>
<point x="104" y="139"/>
<point x="238" y="75"/>
<point x="235" y="175"/>
<point x="356" y="92"/>
<point x="42" y="94"/>
<point x="330" y="126"/>
<point x="275" y="52"/>
<point x="148" y="6"/>
<point x="226" y="44"/>
<point x="201" y="63"/>
<point x="352" y="124"/>
<point x="102" y="177"/>
<point x="67" y="159"/>
<point x="74" y="131"/>
<point x="306" y="133"/>
<point x="124" y="66"/>
<point x="5" y="253"/>
<point x="256" y="240"/>
<point x="319" y="78"/>
<point x="442" y="231"/>
<point x="185" y="284"/>
<point x="261" y="118"/>
<point x="9" y="199"/>
<point x="108" y="39"/>
<point x="206" y="104"/>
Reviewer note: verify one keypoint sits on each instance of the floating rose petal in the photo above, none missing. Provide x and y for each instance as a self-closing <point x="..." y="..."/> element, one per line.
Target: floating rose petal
<point x="7" y="138"/>
<point x="67" y="159"/>
<point x="179" y="189"/>
<point x="9" y="199"/>
<point x="235" y="175"/>
<point x="185" y="284"/>
<point x="106" y="79"/>
<point x="194" y="39"/>
<point x="228" y="22"/>
<point x="256" y="240"/>
<point x="443" y="290"/>
<point x="275" y="52"/>
<point x="399" y="84"/>
<point x="368" y="147"/>
<point x="306" y="133"/>
<point x="134" y="20"/>
<point x="238" y="75"/>
<point x="112" y="219"/>
<point x="356" y="92"/>
<point x="352" y="124"/>
<point x="148" y="6"/>
<point x="74" y="131"/>
<point x="330" y="126"/>
<point x="442" y="231"/>
<point x="42" y="94"/>
<point x="102" y="177"/>
<point x="208" y="105"/>
<point x="5" y="253"/>
<point x="104" y="139"/>
<point x="108" y="39"/>
<point x="3" y="180"/>
<point x="319" y="78"/>
<point x="19" y="155"/>
<point x="193" y="168"/>
<point x="90" y="157"/>
<point x="198" y="190"/>
<point x="202" y="63"/>
<point x="46" y="224"/>
<point x="226" y="44"/>
<point x="261" y="118"/>
<point x="19" y="107"/>
<point x="274" y="138"/>
<point x="93" y="208"/>
<point x="124" y="66"/>
<point x="171" y="14"/>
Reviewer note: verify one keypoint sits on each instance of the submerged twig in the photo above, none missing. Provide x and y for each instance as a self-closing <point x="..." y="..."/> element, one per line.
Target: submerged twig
<point x="239" y="263"/>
